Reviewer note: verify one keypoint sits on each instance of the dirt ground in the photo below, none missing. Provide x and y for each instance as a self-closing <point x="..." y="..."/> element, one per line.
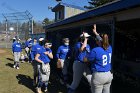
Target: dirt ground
<point x="2" y="51"/>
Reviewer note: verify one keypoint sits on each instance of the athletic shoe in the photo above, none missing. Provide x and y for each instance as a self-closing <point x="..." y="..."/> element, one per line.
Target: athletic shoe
<point x="38" y="90"/>
<point x="14" y="66"/>
<point x="17" y="67"/>
<point x="46" y="90"/>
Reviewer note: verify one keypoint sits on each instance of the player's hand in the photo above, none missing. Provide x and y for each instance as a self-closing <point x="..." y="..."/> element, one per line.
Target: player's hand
<point x="58" y="60"/>
<point x="84" y="34"/>
<point x="94" y="30"/>
<point x="46" y="53"/>
<point x="42" y="62"/>
<point x="86" y="38"/>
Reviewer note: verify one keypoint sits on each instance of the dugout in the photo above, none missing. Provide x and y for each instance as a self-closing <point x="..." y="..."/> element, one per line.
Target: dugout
<point x="120" y="19"/>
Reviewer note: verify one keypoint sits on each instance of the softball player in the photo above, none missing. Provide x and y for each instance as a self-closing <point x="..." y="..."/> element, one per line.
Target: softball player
<point x="16" y="48"/>
<point x="63" y="54"/>
<point x="35" y="47"/>
<point x="100" y="58"/>
<point x="28" y="44"/>
<point x="43" y="57"/>
<point x="81" y="50"/>
<point x="14" y="39"/>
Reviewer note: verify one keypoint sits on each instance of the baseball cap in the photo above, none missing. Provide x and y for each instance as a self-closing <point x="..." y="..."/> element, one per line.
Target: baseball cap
<point x="14" y="38"/>
<point x="29" y="39"/>
<point x="85" y="35"/>
<point x="41" y="39"/>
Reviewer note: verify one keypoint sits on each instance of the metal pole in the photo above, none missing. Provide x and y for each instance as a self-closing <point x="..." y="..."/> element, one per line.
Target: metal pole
<point x="29" y="28"/>
<point x="32" y="26"/>
<point x="17" y="28"/>
<point x="6" y="26"/>
<point x="21" y="16"/>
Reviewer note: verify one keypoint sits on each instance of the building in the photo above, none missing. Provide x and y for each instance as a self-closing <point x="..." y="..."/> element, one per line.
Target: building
<point x="63" y="11"/>
<point x="120" y="19"/>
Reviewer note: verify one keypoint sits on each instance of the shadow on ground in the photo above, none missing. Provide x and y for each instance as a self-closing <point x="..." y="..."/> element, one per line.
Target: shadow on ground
<point x="9" y="64"/>
<point x="9" y="59"/>
<point x="55" y="86"/>
<point x="26" y="81"/>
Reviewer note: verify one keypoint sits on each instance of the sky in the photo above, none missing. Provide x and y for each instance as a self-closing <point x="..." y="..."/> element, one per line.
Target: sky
<point x="38" y="8"/>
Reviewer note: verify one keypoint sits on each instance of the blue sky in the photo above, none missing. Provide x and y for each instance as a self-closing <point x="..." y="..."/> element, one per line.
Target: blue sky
<point x="38" y="8"/>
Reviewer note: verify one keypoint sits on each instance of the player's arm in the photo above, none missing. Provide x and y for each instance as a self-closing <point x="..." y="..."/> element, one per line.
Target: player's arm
<point x="50" y="55"/>
<point x="13" y="46"/>
<point x="96" y="33"/>
<point x="32" y="55"/>
<point x="85" y="59"/>
<point x="84" y="44"/>
<point x="58" y="54"/>
<point x="37" y="58"/>
<point x="90" y="56"/>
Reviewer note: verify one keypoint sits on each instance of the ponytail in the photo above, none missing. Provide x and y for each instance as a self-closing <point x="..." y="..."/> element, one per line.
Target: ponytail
<point x="105" y="41"/>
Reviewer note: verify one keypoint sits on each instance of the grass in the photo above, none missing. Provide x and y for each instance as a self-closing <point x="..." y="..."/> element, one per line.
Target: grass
<point x="20" y="81"/>
<point x="13" y="80"/>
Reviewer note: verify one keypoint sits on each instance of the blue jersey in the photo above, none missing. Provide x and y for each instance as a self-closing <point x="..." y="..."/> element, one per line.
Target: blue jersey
<point x="28" y="43"/>
<point x="62" y="52"/>
<point x="49" y="50"/>
<point x="43" y="57"/>
<point x="35" y="47"/>
<point x="100" y="59"/>
<point x="16" y="47"/>
<point x="79" y="56"/>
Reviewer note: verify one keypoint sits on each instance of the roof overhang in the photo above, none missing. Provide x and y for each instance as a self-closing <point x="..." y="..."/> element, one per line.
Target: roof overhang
<point x="58" y="6"/>
<point x="61" y="4"/>
<point x="107" y="9"/>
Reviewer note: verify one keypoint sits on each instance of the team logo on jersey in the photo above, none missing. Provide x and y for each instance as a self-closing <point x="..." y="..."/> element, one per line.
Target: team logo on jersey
<point x="17" y="45"/>
<point x="65" y="50"/>
<point x="38" y="48"/>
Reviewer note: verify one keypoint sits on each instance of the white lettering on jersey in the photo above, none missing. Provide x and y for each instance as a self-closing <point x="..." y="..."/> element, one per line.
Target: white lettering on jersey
<point x="17" y="45"/>
<point x="110" y="57"/>
<point x="65" y="50"/>
<point x="38" y="48"/>
<point x="104" y="58"/>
